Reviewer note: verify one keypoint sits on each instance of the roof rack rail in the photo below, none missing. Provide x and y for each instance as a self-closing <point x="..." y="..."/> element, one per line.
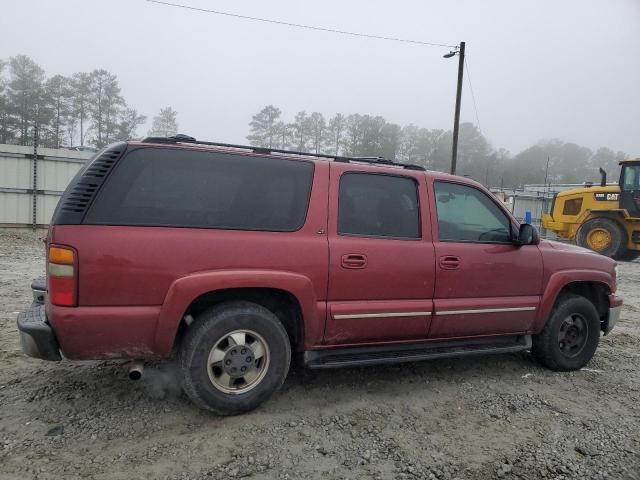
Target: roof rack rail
<point x="181" y="138"/>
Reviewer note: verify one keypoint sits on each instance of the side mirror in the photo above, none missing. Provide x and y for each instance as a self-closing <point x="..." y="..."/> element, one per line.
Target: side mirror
<point x="527" y="235"/>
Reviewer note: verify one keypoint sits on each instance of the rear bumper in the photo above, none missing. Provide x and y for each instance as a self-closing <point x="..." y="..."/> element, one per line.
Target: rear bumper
<point x="39" y="290"/>
<point x="37" y="338"/>
<point x="615" y="307"/>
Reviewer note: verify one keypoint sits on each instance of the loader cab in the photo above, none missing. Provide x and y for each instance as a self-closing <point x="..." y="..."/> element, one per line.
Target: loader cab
<point x="630" y="187"/>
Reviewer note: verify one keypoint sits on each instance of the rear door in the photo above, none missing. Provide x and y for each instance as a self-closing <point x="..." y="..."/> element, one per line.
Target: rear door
<point x="485" y="285"/>
<point x="381" y="258"/>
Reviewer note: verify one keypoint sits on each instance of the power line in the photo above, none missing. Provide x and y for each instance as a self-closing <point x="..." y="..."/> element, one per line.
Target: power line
<point x="299" y="25"/>
<point x="473" y="97"/>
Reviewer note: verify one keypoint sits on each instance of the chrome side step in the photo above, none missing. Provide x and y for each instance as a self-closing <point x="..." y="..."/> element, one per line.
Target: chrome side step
<point x="363" y="356"/>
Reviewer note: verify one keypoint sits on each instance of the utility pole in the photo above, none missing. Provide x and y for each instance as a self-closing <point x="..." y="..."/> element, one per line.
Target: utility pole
<point x="456" y="121"/>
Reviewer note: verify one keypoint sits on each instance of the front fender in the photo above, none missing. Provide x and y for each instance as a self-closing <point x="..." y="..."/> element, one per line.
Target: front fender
<point x="186" y="289"/>
<point x="559" y="280"/>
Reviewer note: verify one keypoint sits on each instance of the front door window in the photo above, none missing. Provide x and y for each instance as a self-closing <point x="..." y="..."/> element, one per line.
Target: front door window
<point x="465" y="214"/>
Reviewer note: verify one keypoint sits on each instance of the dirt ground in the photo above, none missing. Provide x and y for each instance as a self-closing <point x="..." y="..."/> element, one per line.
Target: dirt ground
<point x="476" y="418"/>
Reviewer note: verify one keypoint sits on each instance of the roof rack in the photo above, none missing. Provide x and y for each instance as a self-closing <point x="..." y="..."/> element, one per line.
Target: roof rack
<point x="181" y="138"/>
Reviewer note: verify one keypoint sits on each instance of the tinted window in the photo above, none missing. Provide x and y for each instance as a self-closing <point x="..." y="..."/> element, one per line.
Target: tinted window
<point x="466" y="214"/>
<point x="378" y="206"/>
<point x="153" y="186"/>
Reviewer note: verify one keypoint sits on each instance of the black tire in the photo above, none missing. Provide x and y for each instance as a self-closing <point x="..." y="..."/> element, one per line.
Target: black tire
<point x="618" y="244"/>
<point x="547" y="344"/>
<point x="205" y="333"/>
<point x="629" y="255"/>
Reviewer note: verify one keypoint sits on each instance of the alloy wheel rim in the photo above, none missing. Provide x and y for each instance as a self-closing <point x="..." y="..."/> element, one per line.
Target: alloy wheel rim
<point x="238" y="361"/>
<point x="573" y="335"/>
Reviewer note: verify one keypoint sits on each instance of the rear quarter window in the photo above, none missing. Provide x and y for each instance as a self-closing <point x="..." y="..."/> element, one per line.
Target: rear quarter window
<point x="186" y="188"/>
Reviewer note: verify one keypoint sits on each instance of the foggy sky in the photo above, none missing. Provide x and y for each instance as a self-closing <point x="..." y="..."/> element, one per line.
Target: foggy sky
<point x="539" y="69"/>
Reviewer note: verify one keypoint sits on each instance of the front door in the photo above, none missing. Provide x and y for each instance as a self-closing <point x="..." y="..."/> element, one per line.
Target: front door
<point x="485" y="284"/>
<point x="381" y="266"/>
<point x="630" y="189"/>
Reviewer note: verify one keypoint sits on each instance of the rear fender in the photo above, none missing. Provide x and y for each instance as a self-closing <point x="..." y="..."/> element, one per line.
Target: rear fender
<point x="186" y="289"/>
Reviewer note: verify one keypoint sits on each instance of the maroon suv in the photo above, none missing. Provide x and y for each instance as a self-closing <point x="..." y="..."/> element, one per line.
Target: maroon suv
<point x="232" y="258"/>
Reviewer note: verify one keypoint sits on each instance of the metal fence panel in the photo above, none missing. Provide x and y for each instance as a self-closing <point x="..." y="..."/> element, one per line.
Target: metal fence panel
<point x="55" y="169"/>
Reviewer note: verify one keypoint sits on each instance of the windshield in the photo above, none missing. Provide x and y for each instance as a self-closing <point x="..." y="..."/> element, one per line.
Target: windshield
<point x="631" y="177"/>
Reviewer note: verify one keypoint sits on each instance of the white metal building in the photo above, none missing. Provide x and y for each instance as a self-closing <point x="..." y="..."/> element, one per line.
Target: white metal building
<point x="54" y="169"/>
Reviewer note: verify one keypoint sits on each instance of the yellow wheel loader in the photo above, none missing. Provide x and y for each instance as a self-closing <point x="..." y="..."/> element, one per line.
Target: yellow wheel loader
<point x="605" y="219"/>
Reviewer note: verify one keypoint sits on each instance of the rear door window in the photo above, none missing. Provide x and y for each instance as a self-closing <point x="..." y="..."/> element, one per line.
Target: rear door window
<point x="377" y="205"/>
<point x="186" y="188"/>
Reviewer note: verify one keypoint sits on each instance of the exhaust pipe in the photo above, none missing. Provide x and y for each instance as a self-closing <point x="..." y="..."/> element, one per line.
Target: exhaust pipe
<point x="603" y="177"/>
<point x="135" y="370"/>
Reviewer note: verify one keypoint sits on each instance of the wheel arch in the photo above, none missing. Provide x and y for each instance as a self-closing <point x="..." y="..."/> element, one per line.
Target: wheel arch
<point x="592" y="214"/>
<point x="281" y="303"/>
<point x="288" y="295"/>
<point x="593" y="285"/>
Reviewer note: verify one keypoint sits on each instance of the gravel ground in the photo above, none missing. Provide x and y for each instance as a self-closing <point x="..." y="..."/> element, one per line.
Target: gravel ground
<point x="492" y="417"/>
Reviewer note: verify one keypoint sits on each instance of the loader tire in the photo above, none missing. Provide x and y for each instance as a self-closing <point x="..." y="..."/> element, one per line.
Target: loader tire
<point x="629" y="255"/>
<point x="604" y="236"/>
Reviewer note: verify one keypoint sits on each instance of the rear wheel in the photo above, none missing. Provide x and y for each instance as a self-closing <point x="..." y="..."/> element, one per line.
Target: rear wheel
<point x="602" y="235"/>
<point x="570" y="336"/>
<point x="234" y="357"/>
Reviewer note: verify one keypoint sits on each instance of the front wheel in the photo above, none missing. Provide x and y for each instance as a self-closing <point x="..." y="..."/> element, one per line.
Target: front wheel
<point x="570" y="336"/>
<point x="234" y="357"/>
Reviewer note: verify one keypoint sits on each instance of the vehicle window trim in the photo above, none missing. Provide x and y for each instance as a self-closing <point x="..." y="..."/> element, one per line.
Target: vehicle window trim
<point x="381" y="237"/>
<point x="158" y="225"/>
<point x="622" y="182"/>
<point x="500" y="207"/>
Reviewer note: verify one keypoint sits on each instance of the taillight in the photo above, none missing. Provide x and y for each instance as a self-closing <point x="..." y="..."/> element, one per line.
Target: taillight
<point x="62" y="276"/>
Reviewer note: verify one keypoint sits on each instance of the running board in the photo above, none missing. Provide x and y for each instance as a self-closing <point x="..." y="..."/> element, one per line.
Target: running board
<point x="363" y="356"/>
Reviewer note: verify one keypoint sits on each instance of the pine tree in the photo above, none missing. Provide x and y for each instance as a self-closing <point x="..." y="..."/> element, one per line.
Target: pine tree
<point x="334" y="134"/>
<point x="25" y="94"/>
<point x="106" y="102"/>
<point x="165" y="124"/>
<point x="264" y="127"/>
<point x="80" y="101"/>
<point x="129" y="122"/>
<point x="58" y="93"/>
